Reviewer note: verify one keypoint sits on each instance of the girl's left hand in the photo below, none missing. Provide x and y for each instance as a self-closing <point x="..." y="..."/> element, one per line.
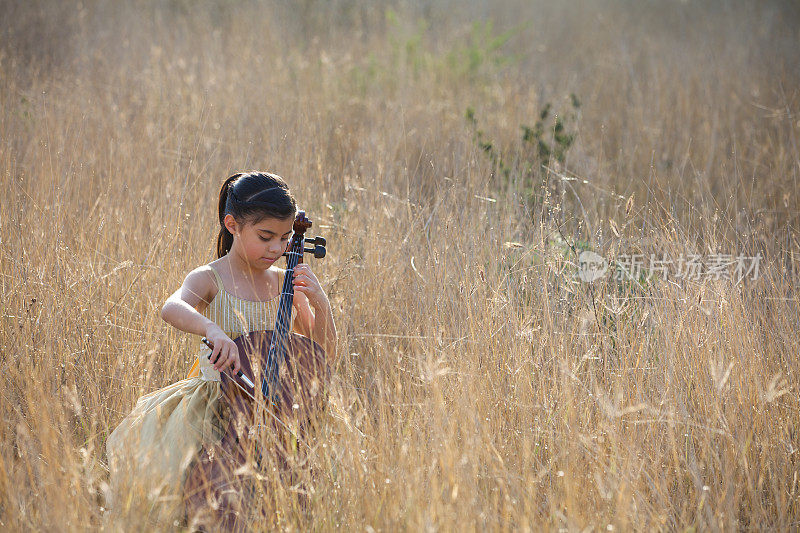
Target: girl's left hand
<point x="307" y="283"/>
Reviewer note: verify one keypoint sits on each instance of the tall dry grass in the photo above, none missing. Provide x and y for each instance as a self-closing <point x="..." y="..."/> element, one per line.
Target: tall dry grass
<point x="480" y="385"/>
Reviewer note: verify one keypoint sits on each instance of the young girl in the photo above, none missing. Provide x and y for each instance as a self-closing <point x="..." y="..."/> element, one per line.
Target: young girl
<point x="152" y="450"/>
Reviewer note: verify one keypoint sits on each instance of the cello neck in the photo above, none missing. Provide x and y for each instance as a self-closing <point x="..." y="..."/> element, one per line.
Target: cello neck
<point x="287" y="291"/>
<point x="278" y="347"/>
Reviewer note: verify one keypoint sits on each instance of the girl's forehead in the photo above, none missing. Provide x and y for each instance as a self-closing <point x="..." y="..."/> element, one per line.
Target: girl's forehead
<point x="275" y="225"/>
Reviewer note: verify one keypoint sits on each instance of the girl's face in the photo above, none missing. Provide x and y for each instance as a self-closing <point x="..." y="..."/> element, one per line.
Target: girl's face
<point x="262" y="243"/>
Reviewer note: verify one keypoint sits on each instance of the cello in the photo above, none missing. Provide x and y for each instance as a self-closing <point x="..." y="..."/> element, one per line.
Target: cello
<point x="273" y="418"/>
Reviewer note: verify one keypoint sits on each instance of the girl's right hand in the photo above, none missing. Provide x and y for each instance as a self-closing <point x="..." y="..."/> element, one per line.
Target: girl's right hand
<point x="225" y="353"/>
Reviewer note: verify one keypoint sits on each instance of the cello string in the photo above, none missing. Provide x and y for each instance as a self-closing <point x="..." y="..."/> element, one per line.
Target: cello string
<point x="284" y="308"/>
<point x="284" y="305"/>
<point x="284" y="290"/>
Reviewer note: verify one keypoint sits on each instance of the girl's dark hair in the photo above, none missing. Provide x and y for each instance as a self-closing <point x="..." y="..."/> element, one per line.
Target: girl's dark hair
<point x="250" y="197"/>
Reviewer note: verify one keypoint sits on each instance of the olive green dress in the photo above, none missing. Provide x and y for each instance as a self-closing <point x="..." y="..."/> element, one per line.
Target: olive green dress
<point x="151" y="450"/>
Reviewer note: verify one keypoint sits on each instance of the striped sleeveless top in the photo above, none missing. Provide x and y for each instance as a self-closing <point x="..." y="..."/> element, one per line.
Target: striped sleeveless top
<point x="236" y="316"/>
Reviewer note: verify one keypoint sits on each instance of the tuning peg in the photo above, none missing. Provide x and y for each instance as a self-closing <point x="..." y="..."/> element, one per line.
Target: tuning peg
<point x="318" y="251"/>
<point x="317" y="240"/>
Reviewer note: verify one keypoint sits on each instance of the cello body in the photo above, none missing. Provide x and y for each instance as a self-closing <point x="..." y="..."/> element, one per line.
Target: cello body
<point x="221" y="482"/>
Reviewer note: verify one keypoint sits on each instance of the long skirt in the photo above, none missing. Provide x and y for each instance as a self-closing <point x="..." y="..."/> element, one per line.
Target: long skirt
<point x="153" y="449"/>
<point x="189" y="453"/>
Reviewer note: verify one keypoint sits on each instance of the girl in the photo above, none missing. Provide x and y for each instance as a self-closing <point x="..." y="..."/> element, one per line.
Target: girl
<point x="151" y="452"/>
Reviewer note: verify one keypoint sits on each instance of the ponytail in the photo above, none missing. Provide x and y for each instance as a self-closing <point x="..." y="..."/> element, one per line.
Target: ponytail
<point x="252" y="196"/>
<point x="225" y="237"/>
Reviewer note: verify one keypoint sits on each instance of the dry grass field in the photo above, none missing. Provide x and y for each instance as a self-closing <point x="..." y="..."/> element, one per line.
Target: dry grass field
<point x="458" y="157"/>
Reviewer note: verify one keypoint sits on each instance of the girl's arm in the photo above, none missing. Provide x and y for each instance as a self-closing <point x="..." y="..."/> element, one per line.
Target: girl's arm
<point x="182" y="310"/>
<point x="317" y="324"/>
